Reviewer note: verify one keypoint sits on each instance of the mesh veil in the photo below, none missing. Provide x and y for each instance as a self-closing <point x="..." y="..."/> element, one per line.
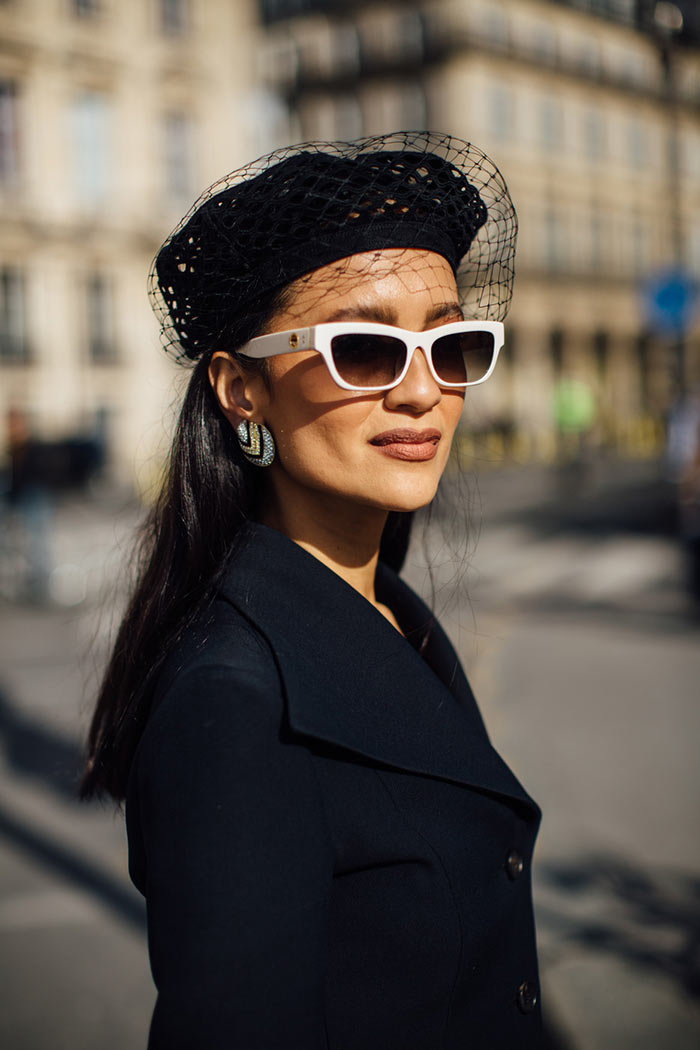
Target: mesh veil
<point x="302" y="207"/>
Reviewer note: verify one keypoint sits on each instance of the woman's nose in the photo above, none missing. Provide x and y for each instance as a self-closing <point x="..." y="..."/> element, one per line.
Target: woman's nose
<point x="417" y="391"/>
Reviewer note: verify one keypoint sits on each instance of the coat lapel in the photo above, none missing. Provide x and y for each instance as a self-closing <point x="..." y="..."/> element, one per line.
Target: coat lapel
<point x="418" y="622"/>
<point x="350" y="678"/>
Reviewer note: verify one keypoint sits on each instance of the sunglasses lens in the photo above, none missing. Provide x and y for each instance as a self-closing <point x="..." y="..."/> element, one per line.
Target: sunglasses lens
<point x="367" y="361"/>
<point x="463" y="357"/>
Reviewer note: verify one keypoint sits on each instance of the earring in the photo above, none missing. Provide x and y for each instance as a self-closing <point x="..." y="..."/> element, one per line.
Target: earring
<point x="257" y="443"/>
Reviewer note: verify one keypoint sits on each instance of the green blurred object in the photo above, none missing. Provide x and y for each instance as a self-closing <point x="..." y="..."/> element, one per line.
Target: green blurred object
<point x="574" y="406"/>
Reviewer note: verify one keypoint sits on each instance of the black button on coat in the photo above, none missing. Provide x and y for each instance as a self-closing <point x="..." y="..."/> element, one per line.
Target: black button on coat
<point x="319" y="824"/>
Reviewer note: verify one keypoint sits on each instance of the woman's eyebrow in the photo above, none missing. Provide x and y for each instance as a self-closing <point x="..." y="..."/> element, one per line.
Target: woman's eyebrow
<point x="386" y="315"/>
<point x="444" y="311"/>
<point x="380" y="314"/>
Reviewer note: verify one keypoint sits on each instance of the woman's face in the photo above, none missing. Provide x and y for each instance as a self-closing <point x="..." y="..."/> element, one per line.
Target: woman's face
<point x="385" y="450"/>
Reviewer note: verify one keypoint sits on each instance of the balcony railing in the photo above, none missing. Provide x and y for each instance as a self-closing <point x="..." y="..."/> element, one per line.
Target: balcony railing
<point x="443" y="37"/>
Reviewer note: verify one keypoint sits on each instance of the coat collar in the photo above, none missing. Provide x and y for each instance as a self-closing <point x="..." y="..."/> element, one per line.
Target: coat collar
<point x="350" y="678"/>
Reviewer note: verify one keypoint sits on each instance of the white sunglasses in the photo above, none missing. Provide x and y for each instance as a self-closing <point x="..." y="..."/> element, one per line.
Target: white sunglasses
<point x="371" y="357"/>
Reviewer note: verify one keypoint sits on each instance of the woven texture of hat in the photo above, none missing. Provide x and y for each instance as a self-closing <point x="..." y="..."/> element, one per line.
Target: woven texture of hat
<point x="303" y="207"/>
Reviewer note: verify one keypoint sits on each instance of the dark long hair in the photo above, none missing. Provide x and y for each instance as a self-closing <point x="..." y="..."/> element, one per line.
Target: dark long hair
<point x="208" y="493"/>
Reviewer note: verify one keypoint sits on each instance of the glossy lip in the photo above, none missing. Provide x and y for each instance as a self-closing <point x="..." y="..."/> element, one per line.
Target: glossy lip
<point x="407" y="444"/>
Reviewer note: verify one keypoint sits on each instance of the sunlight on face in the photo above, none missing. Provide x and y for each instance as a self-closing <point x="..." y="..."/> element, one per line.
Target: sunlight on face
<point x="385" y="450"/>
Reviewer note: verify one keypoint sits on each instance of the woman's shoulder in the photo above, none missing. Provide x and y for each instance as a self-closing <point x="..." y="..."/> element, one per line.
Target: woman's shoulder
<point x="216" y="725"/>
<point x="221" y="669"/>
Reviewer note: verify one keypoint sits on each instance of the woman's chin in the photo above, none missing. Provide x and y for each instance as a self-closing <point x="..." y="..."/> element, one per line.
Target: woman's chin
<point x="406" y="501"/>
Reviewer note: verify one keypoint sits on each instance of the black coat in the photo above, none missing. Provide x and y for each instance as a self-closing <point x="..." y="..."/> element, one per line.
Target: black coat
<point x="333" y="855"/>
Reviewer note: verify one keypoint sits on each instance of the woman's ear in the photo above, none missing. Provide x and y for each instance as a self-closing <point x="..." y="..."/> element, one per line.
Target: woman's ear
<point x="238" y="392"/>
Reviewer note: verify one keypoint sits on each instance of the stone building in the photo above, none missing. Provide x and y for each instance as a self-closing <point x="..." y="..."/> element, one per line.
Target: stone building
<point x="115" y="114"/>
<point x="600" y="147"/>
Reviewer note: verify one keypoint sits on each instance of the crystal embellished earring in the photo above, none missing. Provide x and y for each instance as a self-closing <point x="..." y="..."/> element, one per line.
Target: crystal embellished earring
<point x="257" y="443"/>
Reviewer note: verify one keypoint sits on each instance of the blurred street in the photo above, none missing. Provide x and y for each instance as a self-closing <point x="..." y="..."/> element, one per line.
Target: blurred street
<point x="574" y="626"/>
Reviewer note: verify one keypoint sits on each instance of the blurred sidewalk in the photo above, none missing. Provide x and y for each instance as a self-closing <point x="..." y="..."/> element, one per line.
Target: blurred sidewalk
<point x="572" y="624"/>
<point x="72" y="929"/>
<point x="91" y="537"/>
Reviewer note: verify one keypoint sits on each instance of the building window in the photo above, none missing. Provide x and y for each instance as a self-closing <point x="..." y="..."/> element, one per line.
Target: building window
<point x="85" y="8"/>
<point x="266" y="119"/>
<point x="643" y="354"/>
<point x="528" y="248"/>
<point x="690" y="152"/>
<point x="174" y="17"/>
<point x="349" y="122"/>
<point x="693" y="244"/>
<point x="502" y="122"/>
<point x="601" y="351"/>
<point x="632" y="69"/>
<point x="553" y="240"/>
<point x="556" y="350"/>
<point x="414" y="106"/>
<point x="317" y="117"/>
<point x="13" y="334"/>
<point x="100" y="319"/>
<point x="550" y="124"/>
<point x="178" y="155"/>
<point x="391" y="36"/>
<point x="596" y="239"/>
<point x="623" y="10"/>
<point x="277" y="60"/>
<point x="411" y="34"/>
<point x="90" y="119"/>
<point x="639" y="246"/>
<point x="544" y="43"/>
<point x="588" y="57"/>
<point x="8" y="132"/>
<point x="593" y="134"/>
<point x="345" y="43"/>
<point x="494" y="27"/>
<point x="394" y="104"/>
<point x="636" y="143"/>
<point x="274" y="9"/>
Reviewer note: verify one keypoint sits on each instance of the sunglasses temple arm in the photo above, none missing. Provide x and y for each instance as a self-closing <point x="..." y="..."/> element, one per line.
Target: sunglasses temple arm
<point x="277" y="343"/>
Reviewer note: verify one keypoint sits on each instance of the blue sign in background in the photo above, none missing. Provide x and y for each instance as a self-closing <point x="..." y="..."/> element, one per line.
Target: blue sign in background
<point x="671" y="299"/>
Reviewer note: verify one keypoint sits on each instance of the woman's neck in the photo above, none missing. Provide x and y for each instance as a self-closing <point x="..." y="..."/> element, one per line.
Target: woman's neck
<point x="342" y="535"/>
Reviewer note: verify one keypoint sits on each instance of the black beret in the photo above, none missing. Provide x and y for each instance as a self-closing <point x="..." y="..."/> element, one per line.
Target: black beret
<point x="303" y="210"/>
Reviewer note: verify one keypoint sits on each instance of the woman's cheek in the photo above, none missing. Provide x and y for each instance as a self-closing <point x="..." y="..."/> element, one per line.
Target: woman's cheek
<point x="310" y="451"/>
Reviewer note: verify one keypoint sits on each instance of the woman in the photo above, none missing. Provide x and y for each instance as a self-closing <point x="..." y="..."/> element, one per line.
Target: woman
<point x="331" y="852"/>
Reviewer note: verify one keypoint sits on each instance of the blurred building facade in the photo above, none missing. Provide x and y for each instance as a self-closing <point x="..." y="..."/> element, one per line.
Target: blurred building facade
<point x="598" y="136"/>
<point x="115" y="114"/>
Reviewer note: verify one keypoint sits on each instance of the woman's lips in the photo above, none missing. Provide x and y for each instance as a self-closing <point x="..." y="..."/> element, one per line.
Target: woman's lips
<point x="408" y="444"/>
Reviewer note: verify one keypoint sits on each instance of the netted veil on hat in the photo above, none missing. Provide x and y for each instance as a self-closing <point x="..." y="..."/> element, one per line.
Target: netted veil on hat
<point x="305" y="206"/>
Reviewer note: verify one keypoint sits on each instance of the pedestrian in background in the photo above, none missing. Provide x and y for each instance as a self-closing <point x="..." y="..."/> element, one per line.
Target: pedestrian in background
<point x="30" y="506"/>
<point x="574" y="411"/>
<point x="332" y="853"/>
